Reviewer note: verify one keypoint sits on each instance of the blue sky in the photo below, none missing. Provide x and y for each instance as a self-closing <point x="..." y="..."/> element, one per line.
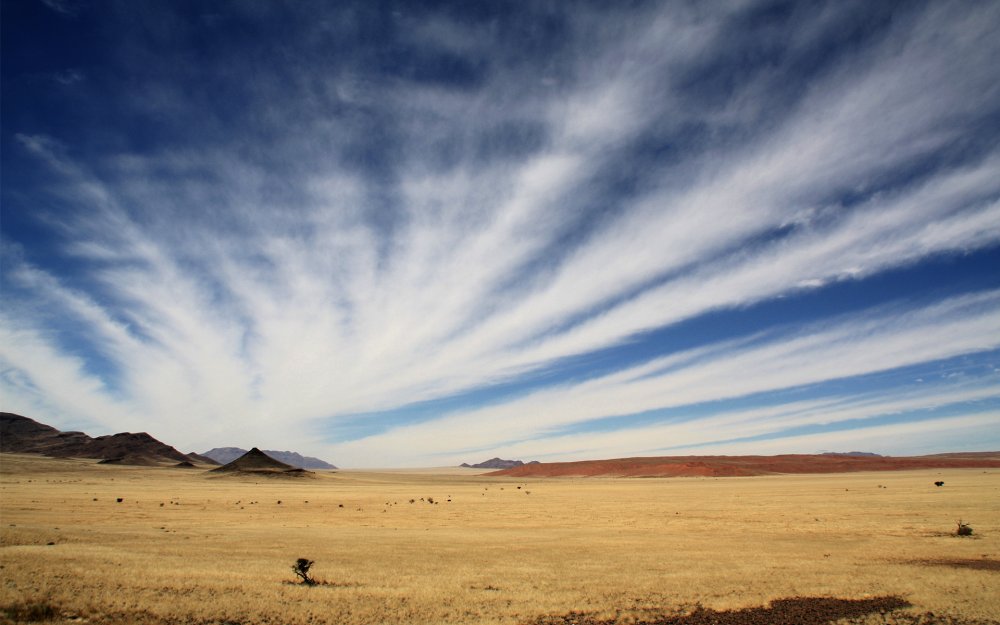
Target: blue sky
<point x="417" y="234"/>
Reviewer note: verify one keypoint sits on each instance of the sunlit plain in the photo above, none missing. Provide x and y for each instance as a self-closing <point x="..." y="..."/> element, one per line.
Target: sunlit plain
<point x="182" y="547"/>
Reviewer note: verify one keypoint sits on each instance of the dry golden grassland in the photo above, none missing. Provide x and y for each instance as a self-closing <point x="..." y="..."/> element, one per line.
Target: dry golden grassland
<point x="186" y="548"/>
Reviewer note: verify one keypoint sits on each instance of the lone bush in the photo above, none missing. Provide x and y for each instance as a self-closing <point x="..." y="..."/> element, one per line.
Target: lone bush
<point x="963" y="529"/>
<point x="29" y="612"/>
<point x="301" y="569"/>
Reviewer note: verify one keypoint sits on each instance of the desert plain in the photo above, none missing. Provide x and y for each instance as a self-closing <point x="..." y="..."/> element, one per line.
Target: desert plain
<point x="184" y="546"/>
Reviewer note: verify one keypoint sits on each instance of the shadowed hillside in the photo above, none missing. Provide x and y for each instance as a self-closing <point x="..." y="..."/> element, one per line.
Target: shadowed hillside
<point x="257" y="463"/>
<point x="19" y="434"/>
<point x="222" y="455"/>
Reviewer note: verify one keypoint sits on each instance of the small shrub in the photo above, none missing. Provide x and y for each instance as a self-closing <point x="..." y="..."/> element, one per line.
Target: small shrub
<point x="963" y="529"/>
<point x="31" y="612"/>
<point x="301" y="569"/>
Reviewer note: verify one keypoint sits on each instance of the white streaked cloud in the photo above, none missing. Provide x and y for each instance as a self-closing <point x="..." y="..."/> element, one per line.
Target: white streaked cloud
<point x="38" y="378"/>
<point x="720" y="432"/>
<point x="919" y="437"/>
<point x="855" y="346"/>
<point x="270" y="286"/>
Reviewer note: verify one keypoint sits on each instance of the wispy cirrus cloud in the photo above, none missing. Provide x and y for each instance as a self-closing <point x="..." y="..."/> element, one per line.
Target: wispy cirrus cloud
<point x="414" y="206"/>
<point x="66" y="8"/>
<point x="863" y="344"/>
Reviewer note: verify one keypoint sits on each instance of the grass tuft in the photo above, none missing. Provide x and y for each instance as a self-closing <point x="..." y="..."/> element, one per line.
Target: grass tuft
<point x="30" y="611"/>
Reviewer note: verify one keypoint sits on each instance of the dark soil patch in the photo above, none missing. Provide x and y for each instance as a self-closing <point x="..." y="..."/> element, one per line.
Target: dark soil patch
<point x="325" y="583"/>
<point x="793" y="611"/>
<point x="981" y="564"/>
<point x="30" y="612"/>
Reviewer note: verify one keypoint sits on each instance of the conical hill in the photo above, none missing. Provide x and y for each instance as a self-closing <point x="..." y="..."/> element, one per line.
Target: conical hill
<point x="254" y="461"/>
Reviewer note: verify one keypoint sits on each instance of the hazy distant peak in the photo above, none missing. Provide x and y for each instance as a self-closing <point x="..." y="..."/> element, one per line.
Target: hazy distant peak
<point x="225" y="455"/>
<point x="497" y="463"/>
<point x="865" y="454"/>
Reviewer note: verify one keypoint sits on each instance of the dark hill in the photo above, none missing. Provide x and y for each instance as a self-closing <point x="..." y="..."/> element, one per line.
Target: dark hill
<point x="255" y="462"/>
<point x="132" y="444"/>
<point x="222" y="455"/>
<point x="19" y="434"/>
<point x="136" y="460"/>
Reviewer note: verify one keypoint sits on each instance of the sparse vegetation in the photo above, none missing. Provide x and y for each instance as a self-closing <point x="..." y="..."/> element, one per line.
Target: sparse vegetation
<point x="617" y="550"/>
<point x="30" y="611"/>
<point x="963" y="529"/>
<point x="301" y="570"/>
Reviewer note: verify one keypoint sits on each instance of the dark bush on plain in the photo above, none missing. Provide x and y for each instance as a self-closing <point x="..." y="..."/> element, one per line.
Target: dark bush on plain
<point x="301" y="569"/>
<point x="30" y="612"/>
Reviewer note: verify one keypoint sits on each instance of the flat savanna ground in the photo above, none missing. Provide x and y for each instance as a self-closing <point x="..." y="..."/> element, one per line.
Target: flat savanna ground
<point x="184" y="548"/>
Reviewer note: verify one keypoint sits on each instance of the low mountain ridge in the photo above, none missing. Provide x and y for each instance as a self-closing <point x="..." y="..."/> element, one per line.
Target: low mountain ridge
<point x="497" y="463"/>
<point x="224" y="455"/>
<point x="20" y="434"/>
<point x="863" y="454"/>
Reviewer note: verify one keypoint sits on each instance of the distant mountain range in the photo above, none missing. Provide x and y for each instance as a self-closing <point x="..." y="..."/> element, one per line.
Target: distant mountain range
<point x="225" y="455"/>
<point x="497" y="463"/>
<point x="865" y="454"/>
<point x="19" y="434"/>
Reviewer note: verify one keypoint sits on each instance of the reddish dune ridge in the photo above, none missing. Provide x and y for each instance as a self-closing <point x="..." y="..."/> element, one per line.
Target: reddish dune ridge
<point x="738" y="466"/>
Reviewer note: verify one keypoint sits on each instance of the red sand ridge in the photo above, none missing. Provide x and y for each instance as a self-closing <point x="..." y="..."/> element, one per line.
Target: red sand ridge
<point x="739" y="466"/>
